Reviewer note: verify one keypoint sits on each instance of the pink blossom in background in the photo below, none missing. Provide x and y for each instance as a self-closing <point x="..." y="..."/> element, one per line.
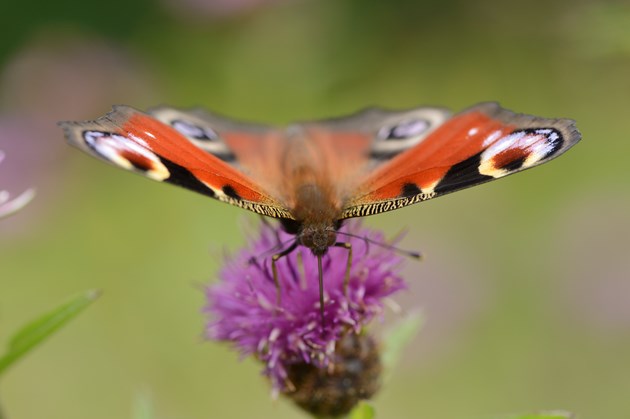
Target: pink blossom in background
<point x="33" y="160"/>
<point x="50" y="79"/>
<point x="12" y="204"/>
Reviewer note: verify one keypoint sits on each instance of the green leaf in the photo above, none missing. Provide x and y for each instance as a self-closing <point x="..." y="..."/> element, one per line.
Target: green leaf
<point x="554" y="414"/>
<point x="398" y="337"/>
<point x="362" y="411"/>
<point x="38" y="330"/>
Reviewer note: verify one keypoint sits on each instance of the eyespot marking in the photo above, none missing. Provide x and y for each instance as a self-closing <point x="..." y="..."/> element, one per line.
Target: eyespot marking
<point x="194" y="131"/>
<point x="138" y="161"/>
<point x="403" y="130"/>
<point x="510" y="159"/>
<point x="519" y="150"/>
<point x="126" y="153"/>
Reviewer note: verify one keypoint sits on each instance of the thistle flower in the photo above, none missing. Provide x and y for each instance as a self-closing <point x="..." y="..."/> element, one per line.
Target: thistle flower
<point x="301" y="354"/>
<point x="8" y="206"/>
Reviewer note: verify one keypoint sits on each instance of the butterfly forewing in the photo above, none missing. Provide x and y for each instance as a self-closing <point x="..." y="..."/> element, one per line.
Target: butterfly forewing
<point x="137" y="142"/>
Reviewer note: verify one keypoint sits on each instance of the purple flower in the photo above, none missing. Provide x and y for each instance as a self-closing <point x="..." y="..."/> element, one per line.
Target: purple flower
<point x="288" y="335"/>
<point x="9" y="206"/>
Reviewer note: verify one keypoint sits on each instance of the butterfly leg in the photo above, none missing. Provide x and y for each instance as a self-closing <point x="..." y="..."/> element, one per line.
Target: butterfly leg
<point x="346" y="279"/>
<point x="274" y="268"/>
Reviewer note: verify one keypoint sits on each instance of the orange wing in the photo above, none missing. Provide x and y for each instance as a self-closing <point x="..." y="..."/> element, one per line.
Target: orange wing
<point x="137" y="142"/>
<point x="483" y="143"/>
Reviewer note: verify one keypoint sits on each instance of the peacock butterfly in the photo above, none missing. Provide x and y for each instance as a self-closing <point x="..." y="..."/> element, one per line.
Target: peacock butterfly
<point x="313" y="175"/>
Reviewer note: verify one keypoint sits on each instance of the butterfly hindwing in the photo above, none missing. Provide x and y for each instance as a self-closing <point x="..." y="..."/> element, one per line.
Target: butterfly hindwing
<point x="483" y="143"/>
<point x="137" y="142"/>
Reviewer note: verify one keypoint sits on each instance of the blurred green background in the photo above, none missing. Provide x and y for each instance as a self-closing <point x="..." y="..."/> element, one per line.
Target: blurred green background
<point x="526" y="283"/>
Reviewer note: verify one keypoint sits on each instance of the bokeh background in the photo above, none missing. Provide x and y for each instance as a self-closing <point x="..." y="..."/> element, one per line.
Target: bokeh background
<point x="526" y="283"/>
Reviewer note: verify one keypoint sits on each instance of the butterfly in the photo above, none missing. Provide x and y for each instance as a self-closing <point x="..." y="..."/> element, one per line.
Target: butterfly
<point x="314" y="175"/>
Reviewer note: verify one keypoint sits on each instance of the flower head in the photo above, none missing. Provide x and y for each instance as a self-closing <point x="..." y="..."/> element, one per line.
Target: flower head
<point x="285" y="332"/>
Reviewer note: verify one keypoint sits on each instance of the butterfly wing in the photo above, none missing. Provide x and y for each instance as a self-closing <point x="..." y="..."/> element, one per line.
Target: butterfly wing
<point x="484" y="143"/>
<point x="140" y="143"/>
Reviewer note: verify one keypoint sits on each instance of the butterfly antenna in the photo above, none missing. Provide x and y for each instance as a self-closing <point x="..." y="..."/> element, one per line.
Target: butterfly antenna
<point x="408" y="253"/>
<point x="321" y="289"/>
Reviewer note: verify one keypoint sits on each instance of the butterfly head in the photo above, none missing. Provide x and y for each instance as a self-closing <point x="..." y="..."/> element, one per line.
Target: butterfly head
<point x="318" y="237"/>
